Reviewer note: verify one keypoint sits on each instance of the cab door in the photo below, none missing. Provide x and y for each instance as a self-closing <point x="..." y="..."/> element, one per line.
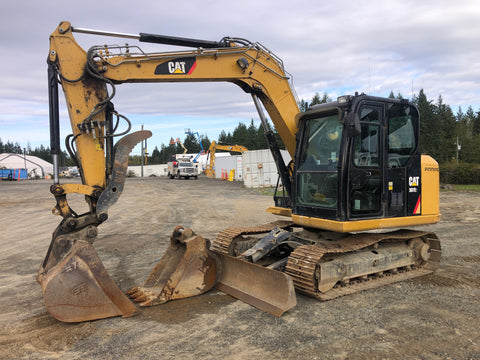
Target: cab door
<point x="403" y="160"/>
<point x="366" y="183"/>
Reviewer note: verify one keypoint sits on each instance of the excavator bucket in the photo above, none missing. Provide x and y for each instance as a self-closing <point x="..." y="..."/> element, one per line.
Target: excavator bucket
<point x="79" y="288"/>
<point x="76" y="286"/>
<point x="186" y="269"/>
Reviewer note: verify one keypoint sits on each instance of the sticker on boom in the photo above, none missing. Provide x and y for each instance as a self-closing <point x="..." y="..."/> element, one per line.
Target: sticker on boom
<point x="178" y="66"/>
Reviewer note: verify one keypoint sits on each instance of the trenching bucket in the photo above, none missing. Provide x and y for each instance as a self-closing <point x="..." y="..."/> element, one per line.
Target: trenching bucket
<point x="186" y="269"/>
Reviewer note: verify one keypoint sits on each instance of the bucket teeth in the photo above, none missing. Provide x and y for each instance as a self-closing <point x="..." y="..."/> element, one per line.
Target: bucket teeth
<point x="131" y="293"/>
<point x="143" y="296"/>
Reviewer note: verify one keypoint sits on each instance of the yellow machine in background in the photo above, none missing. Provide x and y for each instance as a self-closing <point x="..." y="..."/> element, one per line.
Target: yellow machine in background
<point x="177" y="141"/>
<point x="356" y="167"/>
<point x="214" y="146"/>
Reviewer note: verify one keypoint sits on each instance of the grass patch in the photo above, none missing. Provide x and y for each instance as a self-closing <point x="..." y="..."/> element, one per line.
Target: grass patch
<point x="467" y="187"/>
<point x="270" y="191"/>
<point x="458" y="187"/>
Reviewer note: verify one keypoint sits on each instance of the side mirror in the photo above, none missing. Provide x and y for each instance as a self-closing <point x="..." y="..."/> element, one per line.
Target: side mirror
<point x="352" y="124"/>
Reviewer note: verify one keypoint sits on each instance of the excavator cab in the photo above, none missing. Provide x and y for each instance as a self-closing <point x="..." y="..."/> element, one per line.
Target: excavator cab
<point x="358" y="163"/>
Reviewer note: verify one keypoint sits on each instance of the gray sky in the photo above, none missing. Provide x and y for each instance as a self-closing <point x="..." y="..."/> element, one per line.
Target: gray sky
<point x="337" y="47"/>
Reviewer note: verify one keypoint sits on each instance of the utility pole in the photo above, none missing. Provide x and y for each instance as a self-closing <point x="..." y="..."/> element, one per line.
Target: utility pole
<point x="459" y="147"/>
<point x="141" y="155"/>
<point x="25" y="158"/>
<point x="146" y="152"/>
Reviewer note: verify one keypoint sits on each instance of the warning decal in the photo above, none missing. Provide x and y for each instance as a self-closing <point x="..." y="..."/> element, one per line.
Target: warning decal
<point x="417" y="207"/>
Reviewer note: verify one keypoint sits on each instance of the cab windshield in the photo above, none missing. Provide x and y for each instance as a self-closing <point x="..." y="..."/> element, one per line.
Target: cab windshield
<point x="317" y="171"/>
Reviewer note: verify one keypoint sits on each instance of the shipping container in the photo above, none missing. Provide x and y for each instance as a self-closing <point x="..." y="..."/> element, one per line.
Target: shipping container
<point x="13" y="174"/>
<point x="226" y="164"/>
<point x="149" y="170"/>
<point x="259" y="168"/>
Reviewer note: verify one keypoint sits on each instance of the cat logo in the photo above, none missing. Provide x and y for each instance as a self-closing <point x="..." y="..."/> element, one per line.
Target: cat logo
<point x="413" y="180"/>
<point x="176" y="67"/>
<point x="180" y="66"/>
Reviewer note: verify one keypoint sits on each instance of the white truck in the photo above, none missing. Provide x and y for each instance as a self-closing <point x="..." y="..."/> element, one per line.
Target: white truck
<point x="181" y="167"/>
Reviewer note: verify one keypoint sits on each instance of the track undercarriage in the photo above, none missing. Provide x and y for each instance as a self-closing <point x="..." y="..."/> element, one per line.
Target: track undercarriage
<point x="326" y="265"/>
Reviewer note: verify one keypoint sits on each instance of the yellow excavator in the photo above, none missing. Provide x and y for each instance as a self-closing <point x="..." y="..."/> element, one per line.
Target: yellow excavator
<point x="214" y="146"/>
<point x="357" y="176"/>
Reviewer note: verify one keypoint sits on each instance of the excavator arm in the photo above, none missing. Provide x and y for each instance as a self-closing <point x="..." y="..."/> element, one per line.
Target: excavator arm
<point x="177" y="141"/>
<point x="75" y="284"/>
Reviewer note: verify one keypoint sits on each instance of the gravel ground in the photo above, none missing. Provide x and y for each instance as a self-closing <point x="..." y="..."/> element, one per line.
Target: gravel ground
<point x="433" y="317"/>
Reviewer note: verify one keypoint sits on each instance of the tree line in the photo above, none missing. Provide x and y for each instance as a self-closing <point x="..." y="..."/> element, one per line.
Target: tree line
<point x="41" y="152"/>
<point x="447" y="136"/>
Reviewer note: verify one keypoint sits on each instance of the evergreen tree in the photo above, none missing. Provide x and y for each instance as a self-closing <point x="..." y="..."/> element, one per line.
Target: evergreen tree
<point x="476" y="122"/>
<point x="205" y="142"/>
<point x="429" y="134"/>
<point x="252" y="136"/>
<point x="261" y="141"/>
<point x="303" y="105"/>
<point x="164" y="156"/>
<point x="463" y="132"/>
<point x="468" y="118"/>
<point x="315" y="100"/>
<point x="222" y="137"/>
<point x="155" y="158"/>
<point x="240" y="135"/>
<point x="320" y="100"/>
<point x="10" y="147"/>
<point x="446" y="147"/>
<point x="392" y="96"/>
<point x="191" y="144"/>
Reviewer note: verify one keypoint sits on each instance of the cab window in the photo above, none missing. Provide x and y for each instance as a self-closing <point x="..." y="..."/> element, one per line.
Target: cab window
<point x="401" y="135"/>
<point x="317" y="175"/>
<point x="367" y="142"/>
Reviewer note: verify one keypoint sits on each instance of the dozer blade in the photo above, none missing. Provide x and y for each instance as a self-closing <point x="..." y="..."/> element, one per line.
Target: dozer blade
<point x="79" y="288"/>
<point x="186" y="269"/>
<point x="267" y="289"/>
